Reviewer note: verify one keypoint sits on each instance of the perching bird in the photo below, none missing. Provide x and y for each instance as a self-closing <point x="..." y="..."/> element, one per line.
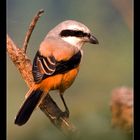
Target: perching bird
<point x="56" y="64"/>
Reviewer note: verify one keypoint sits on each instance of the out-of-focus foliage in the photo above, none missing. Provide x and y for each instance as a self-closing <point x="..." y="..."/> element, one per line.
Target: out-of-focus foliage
<point x="122" y="108"/>
<point x="104" y="66"/>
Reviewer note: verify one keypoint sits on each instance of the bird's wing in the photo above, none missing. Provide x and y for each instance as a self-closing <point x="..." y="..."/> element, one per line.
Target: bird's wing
<point x="44" y="67"/>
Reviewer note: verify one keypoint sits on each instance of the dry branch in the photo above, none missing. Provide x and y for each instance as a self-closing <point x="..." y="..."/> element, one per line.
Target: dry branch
<point x="30" y="30"/>
<point x="22" y="62"/>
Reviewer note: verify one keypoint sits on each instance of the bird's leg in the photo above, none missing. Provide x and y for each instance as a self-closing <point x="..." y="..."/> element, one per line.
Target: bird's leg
<point x="66" y="112"/>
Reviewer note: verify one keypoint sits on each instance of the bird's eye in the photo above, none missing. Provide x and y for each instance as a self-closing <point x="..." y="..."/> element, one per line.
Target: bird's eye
<point x="79" y="34"/>
<point x="88" y="35"/>
<point x="76" y="33"/>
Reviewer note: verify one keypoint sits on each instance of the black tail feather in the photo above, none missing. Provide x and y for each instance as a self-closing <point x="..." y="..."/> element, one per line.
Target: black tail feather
<point x="28" y="107"/>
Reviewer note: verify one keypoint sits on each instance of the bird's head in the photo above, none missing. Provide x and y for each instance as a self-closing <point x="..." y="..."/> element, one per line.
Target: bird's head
<point x="73" y="32"/>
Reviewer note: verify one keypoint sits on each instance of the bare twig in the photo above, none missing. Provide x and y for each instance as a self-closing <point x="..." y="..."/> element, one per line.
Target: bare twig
<point x="31" y="28"/>
<point x="23" y="63"/>
<point x="48" y="106"/>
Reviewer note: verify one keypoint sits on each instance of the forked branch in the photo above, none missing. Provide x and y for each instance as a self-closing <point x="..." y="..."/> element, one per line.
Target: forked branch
<point x="22" y="62"/>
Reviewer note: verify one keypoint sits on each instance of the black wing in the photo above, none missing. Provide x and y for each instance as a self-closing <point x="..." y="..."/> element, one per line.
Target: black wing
<point x="64" y="66"/>
<point x="44" y="67"/>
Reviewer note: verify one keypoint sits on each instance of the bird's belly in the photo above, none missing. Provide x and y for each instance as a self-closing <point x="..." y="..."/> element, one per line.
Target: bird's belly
<point x="68" y="79"/>
<point x="60" y="81"/>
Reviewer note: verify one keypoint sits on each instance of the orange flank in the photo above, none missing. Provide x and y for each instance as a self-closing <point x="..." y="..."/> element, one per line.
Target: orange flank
<point x="58" y="82"/>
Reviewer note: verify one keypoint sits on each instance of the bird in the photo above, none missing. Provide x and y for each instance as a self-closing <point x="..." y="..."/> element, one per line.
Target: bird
<point x="56" y="65"/>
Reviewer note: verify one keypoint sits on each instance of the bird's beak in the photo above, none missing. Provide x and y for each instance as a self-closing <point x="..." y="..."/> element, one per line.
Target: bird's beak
<point x="93" y="40"/>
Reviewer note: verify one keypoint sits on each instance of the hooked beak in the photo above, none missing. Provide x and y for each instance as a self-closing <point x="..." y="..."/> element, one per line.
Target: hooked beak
<point x="93" y="40"/>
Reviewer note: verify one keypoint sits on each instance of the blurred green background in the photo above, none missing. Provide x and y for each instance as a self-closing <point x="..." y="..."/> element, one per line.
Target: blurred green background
<point x="104" y="67"/>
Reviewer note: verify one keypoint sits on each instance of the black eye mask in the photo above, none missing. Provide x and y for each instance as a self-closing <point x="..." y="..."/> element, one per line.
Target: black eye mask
<point x="76" y="33"/>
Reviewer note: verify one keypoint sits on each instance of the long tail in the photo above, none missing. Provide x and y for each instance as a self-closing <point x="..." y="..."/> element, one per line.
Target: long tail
<point x="28" y="106"/>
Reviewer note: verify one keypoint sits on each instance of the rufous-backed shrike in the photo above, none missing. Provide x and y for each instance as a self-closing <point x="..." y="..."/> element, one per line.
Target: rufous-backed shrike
<point x="56" y="64"/>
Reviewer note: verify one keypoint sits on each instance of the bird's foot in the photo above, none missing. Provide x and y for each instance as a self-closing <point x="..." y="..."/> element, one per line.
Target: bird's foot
<point x="64" y="114"/>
